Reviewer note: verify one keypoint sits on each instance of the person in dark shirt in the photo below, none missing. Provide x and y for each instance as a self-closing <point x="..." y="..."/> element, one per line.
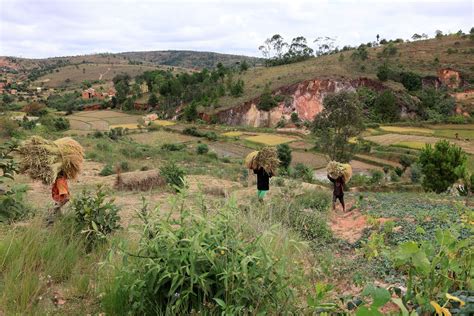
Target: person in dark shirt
<point x="338" y="192"/>
<point x="263" y="182"/>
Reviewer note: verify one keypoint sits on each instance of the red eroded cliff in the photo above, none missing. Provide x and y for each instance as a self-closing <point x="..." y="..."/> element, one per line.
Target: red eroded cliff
<point x="305" y="98"/>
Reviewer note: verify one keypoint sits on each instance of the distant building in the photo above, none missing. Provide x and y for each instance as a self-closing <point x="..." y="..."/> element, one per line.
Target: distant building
<point x="92" y="93"/>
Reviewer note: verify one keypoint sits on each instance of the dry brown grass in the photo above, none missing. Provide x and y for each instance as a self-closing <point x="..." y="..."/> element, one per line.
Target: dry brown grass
<point x="139" y="181"/>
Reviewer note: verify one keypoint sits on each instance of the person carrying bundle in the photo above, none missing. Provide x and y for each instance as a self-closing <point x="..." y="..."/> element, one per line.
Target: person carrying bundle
<point x="54" y="163"/>
<point x="339" y="174"/>
<point x="263" y="182"/>
<point x="264" y="163"/>
<point x="60" y="194"/>
<point x="338" y="192"/>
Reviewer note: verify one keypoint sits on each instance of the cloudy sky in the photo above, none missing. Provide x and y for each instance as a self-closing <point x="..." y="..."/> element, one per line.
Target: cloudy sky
<point x="45" y="28"/>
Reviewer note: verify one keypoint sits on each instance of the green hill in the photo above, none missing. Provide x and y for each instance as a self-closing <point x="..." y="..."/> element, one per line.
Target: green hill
<point x="423" y="57"/>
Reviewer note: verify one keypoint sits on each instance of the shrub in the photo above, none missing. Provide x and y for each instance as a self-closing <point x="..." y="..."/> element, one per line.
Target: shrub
<point x="212" y="136"/>
<point x="192" y="131"/>
<point x="394" y="177"/>
<point x="116" y="133"/>
<point x="124" y="166"/>
<point x="8" y="127"/>
<point x="202" y="149"/>
<point x="311" y="225"/>
<point x="95" y="217"/>
<point x="190" y="112"/>
<point x="61" y="124"/>
<point x="267" y="101"/>
<point x="106" y="171"/>
<point x="98" y="134"/>
<point x="173" y="147"/>
<point x="386" y="107"/>
<point x="54" y="123"/>
<point x="284" y="155"/>
<point x="12" y="205"/>
<point x="173" y="175"/>
<point x="410" y="80"/>
<point x="415" y="173"/>
<point x="317" y="201"/>
<point x="35" y="109"/>
<point x="199" y="264"/>
<point x="441" y="165"/>
<point x="406" y="161"/>
<point x="303" y="172"/>
<point x="398" y="171"/>
<point x="376" y="176"/>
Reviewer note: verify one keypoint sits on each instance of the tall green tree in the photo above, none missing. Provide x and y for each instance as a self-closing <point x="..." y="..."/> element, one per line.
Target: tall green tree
<point x="267" y="101"/>
<point x="153" y="100"/>
<point x="386" y="107"/>
<point x="340" y="120"/>
<point x="441" y="165"/>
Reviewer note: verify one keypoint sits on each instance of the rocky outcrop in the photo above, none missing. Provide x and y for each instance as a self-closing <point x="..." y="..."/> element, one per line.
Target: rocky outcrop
<point x="305" y="98"/>
<point x="450" y="78"/>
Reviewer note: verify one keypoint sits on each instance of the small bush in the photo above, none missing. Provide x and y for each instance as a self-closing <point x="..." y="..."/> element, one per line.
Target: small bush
<point x="8" y="127"/>
<point x="311" y="225"/>
<point x="106" y="171"/>
<point x="394" y="177"/>
<point x="202" y="149"/>
<point x="173" y="175"/>
<point x="98" y="134"/>
<point x="12" y="205"/>
<point x="124" y="166"/>
<point x="192" y="131"/>
<point x="376" y="176"/>
<point x="173" y="147"/>
<point x="94" y="216"/>
<point x="398" y="171"/>
<point x="317" y="201"/>
<point x="415" y="173"/>
<point x="303" y="172"/>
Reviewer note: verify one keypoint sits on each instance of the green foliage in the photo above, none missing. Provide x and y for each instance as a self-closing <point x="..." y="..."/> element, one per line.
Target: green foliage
<point x="311" y="225"/>
<point x="116" y="133"/>
<point x="376" y="176"/>
<point x="107" y="170"/>
<point x="95" y="217"/>
<point x="202" y="149"/>
<point x="303" y="172"/>
<point x="406" y="161"/>
<point x="360" y="53"/>
<point x="237" y="89"/>
<point x="173" y="146"/>
<point x="415" y="173"/>
<point x="8" y="127"/>
<point x="386" y="107"/>
<point x="340" y="120"/>
<point x="378" y="297"/>
<point x="199" y="263"/>
<point x="13" y="206"/>
<point x="441" y="165"/>
<point x="294" y="117"/>
<point x="54" y="123"/>
<point x="435" y="267"/>
<point x="267" y="101"/>
<point x="284" y="155"/>
<point x="124" y="166"/>
<point x="173" y="175"/>
<point x="153" y="100"/>
<point x="383" y="72"/>
<point x="410" y="80"/>
<point x="190" y="112"/>
<point x="435" y="104"/>
<point x="318" y="201"/>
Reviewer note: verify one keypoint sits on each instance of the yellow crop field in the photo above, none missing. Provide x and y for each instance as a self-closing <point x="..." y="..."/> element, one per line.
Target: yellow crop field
<point x="129" y="126"/>
<point x="163" y="123"/>
<point x="268" y="139"/>
<point x="232" y="134"/>
<point x="413" y="145"/>
<point x="403" y="129"/>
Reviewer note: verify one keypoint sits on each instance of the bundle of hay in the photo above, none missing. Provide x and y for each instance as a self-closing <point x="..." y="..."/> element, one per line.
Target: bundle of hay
<point x="139" y="181"/>
<point x="43" y="159"/>
<point x="336" y="169"/>
<point x="250" y="162"/>
<point x="266" y="158"/>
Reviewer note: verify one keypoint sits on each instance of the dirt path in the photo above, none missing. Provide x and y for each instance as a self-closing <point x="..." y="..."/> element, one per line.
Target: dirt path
<point x="101" y="75"/>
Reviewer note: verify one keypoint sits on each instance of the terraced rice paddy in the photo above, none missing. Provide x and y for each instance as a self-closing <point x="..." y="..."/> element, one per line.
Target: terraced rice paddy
<point x="164" y="123"/>
<point x="415" y="141"/>
<point x="232" y="134"/>
<point x="406" y="130"/>
<point x="102" y="120"/>
<point x="162" y="137"/>
<point x="269" y="139"/>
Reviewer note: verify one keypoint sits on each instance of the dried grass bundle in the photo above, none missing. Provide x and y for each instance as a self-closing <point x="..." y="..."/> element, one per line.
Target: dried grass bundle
<point x="267" y="158"/>
<point x="139" y="181"/>
<point x="43" y="159"/>
<point x="336" y="169"/>
<point x="250" y="162"/>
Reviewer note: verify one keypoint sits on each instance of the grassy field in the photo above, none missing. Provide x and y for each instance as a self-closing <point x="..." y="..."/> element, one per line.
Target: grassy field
<point x="79" y="73"/>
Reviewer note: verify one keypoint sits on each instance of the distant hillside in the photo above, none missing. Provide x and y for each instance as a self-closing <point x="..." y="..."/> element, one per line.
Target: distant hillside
<point x="423" y="57"/>
<point x="189" y="59"/>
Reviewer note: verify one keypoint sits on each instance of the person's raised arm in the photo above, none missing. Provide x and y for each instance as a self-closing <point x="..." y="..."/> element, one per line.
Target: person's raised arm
<point x="331" y="179"/>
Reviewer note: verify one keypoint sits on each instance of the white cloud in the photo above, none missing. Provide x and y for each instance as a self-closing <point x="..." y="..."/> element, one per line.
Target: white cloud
<point x="43" y="28"/>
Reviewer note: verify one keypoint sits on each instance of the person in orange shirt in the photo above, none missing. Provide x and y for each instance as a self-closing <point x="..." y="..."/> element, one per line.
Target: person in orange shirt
<point x="60" y="194"/>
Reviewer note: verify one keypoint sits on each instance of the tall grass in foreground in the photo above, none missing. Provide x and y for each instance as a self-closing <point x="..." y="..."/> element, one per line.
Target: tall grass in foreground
<point x="212" y="261"/>
<point x="32" y="258"/>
